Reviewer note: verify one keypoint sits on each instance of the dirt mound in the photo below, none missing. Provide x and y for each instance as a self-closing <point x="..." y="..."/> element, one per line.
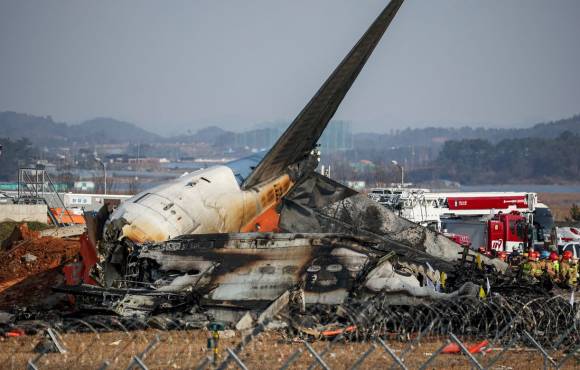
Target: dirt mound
<point x="31" y="266"/>
<point x="9" y="227"/>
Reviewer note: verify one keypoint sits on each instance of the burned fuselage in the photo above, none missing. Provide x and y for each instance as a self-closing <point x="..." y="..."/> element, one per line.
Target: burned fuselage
<point x="249" y="271"/>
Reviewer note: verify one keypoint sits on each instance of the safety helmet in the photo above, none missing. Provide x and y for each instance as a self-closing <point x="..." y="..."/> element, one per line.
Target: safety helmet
<point x="502" y="255"/>
<point x="553" y="256"/>
<point x="544" y="255"/>
<point x="567" y="255"/>
<point x="533" y="256"/>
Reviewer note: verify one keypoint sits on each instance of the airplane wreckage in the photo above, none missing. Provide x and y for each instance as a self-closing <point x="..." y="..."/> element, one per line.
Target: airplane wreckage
<point x="232" y="239"/>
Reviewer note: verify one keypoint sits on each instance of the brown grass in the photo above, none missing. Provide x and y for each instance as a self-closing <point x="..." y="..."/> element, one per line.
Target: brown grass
<point x="185" y="349"/>
<point x="560" y="203"/>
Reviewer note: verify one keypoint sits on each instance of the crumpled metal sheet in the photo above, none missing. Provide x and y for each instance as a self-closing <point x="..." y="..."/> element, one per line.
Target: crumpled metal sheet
<point x="319" y="204"/>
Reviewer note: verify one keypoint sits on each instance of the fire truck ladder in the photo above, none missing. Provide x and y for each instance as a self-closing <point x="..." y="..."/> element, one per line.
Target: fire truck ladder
<point x="35" y="187"/>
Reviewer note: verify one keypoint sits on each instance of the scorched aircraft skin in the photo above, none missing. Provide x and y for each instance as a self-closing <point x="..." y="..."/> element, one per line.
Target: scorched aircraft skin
<point x="278" y="191"/>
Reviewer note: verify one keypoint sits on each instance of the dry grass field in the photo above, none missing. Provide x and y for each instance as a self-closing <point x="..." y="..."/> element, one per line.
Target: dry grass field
<point x="270" y="350"/>
<point x="560" y="203"/>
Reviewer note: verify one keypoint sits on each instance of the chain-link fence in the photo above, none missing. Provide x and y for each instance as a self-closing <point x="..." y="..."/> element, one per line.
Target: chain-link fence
<point x="493" y="333"/>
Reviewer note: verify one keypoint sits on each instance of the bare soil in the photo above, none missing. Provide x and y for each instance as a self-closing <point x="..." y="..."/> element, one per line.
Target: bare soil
<point x="48" y="253"/>
<point x="28" y="282"/>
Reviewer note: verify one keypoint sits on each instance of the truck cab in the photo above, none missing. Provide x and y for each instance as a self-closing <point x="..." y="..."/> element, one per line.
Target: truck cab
<point x="508" y="232"/>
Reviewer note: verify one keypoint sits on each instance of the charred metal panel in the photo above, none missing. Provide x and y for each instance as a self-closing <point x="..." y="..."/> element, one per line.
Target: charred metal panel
<point x="251" y="269"/>
<point x="339" y="211"/>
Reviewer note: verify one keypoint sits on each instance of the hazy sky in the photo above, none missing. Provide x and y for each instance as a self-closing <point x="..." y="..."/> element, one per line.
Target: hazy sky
<point x="177" y="65"/>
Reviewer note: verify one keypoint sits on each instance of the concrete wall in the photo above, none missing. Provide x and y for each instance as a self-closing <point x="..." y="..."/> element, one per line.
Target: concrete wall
<point x="23" y="212"/>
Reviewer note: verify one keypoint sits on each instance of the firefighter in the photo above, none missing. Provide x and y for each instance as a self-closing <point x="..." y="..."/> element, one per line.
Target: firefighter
<point x="502" y="255"/>
<point x="568" y="270"/>
<point x="531" y="268"/>
<point x="544" y="260"/>
<point x="575" y="275"/>
<point x="525" y="256"/>
<point x="514" y="259"/>
<point x="553" y="267"/>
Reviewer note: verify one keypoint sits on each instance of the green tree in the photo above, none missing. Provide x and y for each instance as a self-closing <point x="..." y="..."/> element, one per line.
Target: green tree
<point x="575" y="212"/>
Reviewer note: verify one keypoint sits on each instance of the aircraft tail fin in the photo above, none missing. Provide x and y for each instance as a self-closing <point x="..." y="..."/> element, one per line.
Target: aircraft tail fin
<point x="300" y="138"/>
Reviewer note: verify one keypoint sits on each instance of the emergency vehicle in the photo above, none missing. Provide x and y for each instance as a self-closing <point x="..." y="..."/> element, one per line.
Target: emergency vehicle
<point x="494" y="221"/>
<point x="564" y="235"/>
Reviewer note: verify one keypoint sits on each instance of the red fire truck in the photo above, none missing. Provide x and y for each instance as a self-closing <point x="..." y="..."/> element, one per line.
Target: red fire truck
<point x="494" y="221"/>
<point x="506" y="232"/>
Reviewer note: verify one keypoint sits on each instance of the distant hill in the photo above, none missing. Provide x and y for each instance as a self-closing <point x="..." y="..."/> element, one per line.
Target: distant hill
<point x="436" y="136"/>
<point x="44" y="131"/>
<point x="208" y="135"/>
<point x="553" y="129"/>
<point x="36" y="129"/>
<point x="109" y="130"/>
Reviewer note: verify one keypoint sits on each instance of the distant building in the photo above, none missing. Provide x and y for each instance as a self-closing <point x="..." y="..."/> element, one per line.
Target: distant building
<point x="356" y="185"/>
<point x="84" y="185"/>
<point x="337" y="137"/>
<point x="117" y="158"/>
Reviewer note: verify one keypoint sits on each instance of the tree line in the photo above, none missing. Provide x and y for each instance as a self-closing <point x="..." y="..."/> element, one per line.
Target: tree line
<point x="531" y="160"/>
<point x="15" y="154"/>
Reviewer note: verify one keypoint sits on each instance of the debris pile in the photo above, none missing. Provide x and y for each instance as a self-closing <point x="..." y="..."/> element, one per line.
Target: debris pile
<point x="506" y="317"/>
<point x="31" y="266"/>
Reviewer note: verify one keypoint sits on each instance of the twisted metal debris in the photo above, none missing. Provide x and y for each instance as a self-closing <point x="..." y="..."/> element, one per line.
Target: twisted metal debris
<point x="498" y="318"/>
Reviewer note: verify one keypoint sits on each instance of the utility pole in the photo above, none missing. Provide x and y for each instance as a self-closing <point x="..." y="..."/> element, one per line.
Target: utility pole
<point x="104" y="170"/>
<point x="402" y="172"/>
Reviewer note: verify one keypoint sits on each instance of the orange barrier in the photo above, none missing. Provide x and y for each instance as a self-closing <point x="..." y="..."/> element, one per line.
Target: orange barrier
<point x="15" y="333"/>
<point x="333" y="333"/>
<point x="453" y="348"/>
<point x="71" y="216"/>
